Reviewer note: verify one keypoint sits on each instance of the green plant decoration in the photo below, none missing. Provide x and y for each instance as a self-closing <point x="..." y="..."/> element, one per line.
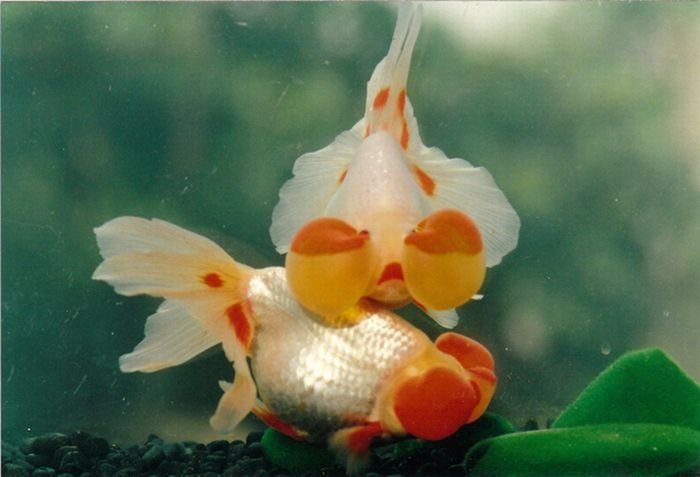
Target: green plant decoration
<point x="295" y="456"/>
<point x="639" y="417"/>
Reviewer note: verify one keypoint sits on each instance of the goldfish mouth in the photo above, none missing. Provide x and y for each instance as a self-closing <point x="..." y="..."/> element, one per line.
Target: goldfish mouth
<point x="393" y="271"/>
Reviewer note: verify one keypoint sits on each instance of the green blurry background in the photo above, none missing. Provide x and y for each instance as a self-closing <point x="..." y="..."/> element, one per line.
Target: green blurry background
<point x="587" y="115"/>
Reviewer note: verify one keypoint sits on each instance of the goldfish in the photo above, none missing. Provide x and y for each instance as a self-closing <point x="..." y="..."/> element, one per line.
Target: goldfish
<point x="344" y="385"/>
<point x="377" y="214"/>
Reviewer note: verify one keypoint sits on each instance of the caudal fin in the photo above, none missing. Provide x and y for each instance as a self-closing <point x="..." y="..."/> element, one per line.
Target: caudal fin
<point x="205" y="292"/>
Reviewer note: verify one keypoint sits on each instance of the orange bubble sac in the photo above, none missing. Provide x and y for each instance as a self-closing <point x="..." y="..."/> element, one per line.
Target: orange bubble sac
<point x="477" y="361"/>
<point x="444" y="261"/>
<point x="435" y="404"/>
<point x="330" y="265"/>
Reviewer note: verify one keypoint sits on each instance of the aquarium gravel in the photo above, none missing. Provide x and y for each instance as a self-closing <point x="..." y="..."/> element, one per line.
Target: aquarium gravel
<point x="81" y="454"/>
<point x="84" y="455"/>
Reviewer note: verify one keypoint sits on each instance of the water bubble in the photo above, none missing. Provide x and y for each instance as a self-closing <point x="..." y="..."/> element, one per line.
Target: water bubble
<point x="605" y="349"/>
<point x="667" y="313"/>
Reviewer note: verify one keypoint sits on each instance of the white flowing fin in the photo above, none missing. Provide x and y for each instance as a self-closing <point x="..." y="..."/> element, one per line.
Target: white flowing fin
<point x="172" y="338"/>
<point x="200" y="282"/>
<point x="239" y="397"/>
<point x="317" y="176"/>
<point x="386" y="89"/>
<point x="456" y="184"/>
<point x="445" y="318"/>
<point x="154" y="257"/>
<point x="392" y="70"/>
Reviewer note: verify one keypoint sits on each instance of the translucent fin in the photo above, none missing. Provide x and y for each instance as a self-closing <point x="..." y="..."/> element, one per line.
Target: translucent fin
<point x="445" y="318"/>
<point x="455" y="183"/>
<point x="172" y="338"/>
<point x="239" y="398"/>
<point x="386" y="89"/>
<point x="201" y="283"/>
<point x="392" y="70"/>
<point x="156" y="258"/>
<point x="317" y="176"/>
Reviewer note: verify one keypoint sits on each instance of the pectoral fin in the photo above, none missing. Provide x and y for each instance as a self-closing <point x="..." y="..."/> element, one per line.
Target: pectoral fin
<point x="444" y="260"/>
<point x="330" y="266"/>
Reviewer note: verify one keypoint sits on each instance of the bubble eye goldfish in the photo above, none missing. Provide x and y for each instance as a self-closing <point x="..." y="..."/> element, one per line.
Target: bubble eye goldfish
<point x="346" y="384"/>
<point x="378" y="214"/>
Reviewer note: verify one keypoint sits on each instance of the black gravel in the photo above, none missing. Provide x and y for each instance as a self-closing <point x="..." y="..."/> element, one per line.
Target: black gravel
<point x="82" y="455"/>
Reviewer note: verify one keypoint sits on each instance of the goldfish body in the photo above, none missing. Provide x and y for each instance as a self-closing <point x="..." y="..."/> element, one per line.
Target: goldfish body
<point x="377" y="214"/>
<point x="374" y="377"/>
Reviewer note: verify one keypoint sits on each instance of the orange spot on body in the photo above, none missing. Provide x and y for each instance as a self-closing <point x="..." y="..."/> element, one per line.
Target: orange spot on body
<point x="404" y="136"/>
<point x="426" y="183"/>
<point x="402" y="100"/>
<point x="213" y="280"/>
<point x="470" y="353"/>
<point x="359" y="440"/>
<point x="327" y="235"/>
<point x="239" y="321"/>
<point x="342" y="176"/>
<point x="446" y="231"/>
<point x="392" y="271"/>
<point x="381" y="99"/>
<point x="435" y="404"/>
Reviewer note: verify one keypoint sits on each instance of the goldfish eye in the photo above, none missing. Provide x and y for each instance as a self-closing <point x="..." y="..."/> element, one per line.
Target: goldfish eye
<point x="330" y="266"/>
<point x="444" y="262"/>
<point x="435" y="404"/>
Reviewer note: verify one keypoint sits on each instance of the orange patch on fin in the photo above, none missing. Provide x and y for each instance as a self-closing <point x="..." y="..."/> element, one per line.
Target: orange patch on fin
<point x="435" y="404"/>
<point x="342" y="176"/>
<point x="446" y="231"/>
<point x="213" y="280"/>
<point x="469" y="353"/>
<point x="359" y="439"/>
<point x="239" y="321"/>
<point x="402" y="100"/>
<point x="426" y="183"/>
<point x="404" y="136"/>
<point x="392" y="271"/>
<point x="327" y="235"/>
<point x="381" y="99"/>
<point x="278" y="424"/>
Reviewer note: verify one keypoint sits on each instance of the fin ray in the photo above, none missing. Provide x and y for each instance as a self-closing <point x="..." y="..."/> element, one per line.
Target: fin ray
<point x="172" y="338"/>
<point x="473" y="191"/>
<point x="317" y="176"/>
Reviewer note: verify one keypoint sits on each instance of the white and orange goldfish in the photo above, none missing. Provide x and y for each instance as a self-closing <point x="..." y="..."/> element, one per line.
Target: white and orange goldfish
<point x="345" y="384"/>
<point x="378" y="214"/>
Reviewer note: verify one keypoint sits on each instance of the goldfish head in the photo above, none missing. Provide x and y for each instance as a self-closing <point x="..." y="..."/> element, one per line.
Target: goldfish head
<point x="446" y="387"/>
<point x="440" y="264"/>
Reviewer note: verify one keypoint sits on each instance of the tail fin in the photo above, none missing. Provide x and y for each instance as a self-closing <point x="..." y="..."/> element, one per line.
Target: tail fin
<point x="386" y="89"/>
<point x="205" y="292"/>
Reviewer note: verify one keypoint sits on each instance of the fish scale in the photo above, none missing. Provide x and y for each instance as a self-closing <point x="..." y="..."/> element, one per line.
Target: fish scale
<point x="322" y="378"/>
